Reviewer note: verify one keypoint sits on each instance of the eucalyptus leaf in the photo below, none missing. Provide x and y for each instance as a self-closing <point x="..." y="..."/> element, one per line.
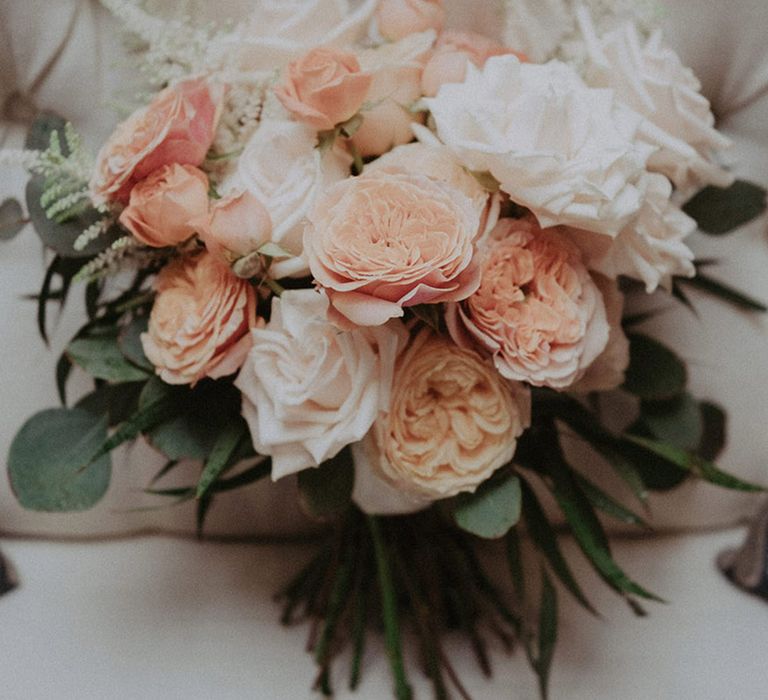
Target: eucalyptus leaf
<point x="118" y="402"/>
<point x="326" y="491"/>
<point x="677" y="421"/>
<point x="46" y="456"/>
<point x="714" y="434"/>
<point x="100" y="356"/>
<point x="129" y="342"/>
<point x="492" y="510"/>
<point x="721" y="210"/>
<point x="655" y="373"/>
<point x="11" y="219"/>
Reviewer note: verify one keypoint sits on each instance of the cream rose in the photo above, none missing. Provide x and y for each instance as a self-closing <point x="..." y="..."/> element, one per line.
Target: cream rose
<point x="451" y="423"/>
<point x="200" y="320"/>
<point x="391" y="239"/>
<point x="651" y="248"/>
<point x="324" y="87"/>
<point x="387" y="112"/>
<point x="565" y="151"/>
<point x="178" y="126"/>
<point x="537" y="311"/>
<point x="167" y="207"/>
<point x="650" y="78"/>
<point x="310" y="390"/>
<point x="281" y="167"/>
<point x="399" y="18"/>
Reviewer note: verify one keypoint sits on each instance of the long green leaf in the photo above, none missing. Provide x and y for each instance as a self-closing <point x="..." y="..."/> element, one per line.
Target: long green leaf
<point x="724" y="292"/>
<point x="602" y="501"/>
<point x="547" y="633"/>
<point x="221" y="454"/>
<point x="696" y="465"/>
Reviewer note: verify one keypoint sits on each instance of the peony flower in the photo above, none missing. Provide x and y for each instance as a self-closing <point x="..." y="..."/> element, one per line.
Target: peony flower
<point x="537" y="311"/>
<point x="398" y="18"/>
<point x="565" y="151"/>
<point x="324" y="88"/>
<point x="453" y="51"/>
<point x="310" y="390"/>
<point x="650" y="248"/>
<point x="200" y="321"/>
<point x="391" y="239"/>
<point x="650" y="78"/>
<point x="281" y="167"/>
<point x="451" y="423"/>
<point x="396" y="86"/>
<point x="167" y="207"/>
<point x="608" y="370"/>
<point x="239" y="225"/>
<point x="178" y="126"/>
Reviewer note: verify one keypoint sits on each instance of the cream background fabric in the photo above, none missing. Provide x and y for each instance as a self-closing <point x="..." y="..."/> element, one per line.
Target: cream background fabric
<point x="65" y="56"/>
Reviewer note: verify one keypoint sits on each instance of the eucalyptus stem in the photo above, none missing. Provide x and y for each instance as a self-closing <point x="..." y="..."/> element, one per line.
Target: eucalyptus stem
<point x="389" y="610"/>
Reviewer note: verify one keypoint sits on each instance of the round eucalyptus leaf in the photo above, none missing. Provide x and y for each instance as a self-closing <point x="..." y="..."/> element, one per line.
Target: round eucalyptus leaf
<point x="11" y="219"/>
<point x="655" y="373"/>
<point x="492" y="510"/>
<point x="47" y="456"/>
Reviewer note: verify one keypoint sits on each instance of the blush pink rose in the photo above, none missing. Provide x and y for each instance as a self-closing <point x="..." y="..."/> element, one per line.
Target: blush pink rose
<point x="324" y="88"/>
<point x="538" y="311"/>
<point x="200" y="322"/>
<point x="453" y="51"/>
<point x="178" y="126"/>
<point x="239" y="225"/>
<point x="390" y="239"/>
<point x="167" y="207"/>
<point x="399" y="18"/>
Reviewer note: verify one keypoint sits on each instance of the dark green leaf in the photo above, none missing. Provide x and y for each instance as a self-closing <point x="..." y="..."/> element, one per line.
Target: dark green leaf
<point x="245" y="478"/>
<point x="724" y="292"/>
<point x="45" y="458"/>
<point x="118" y="402"/>
<point x="679" y="293"/>
<point x="608" y="505"/>
<point x="547" y="633"/>
<point x="100" y="356"/>
<point x="63" y="370"/>
<point x="221" y="455"/>
<point x="11" y="219"/>
<point x="657" y="474"/>
<point x="714" y="435"/>
<point x="655" y="372"/>
<point x="695" y="464"/>
<point x="201" y="512"/>
<point x="326" y="491"/>
<point x="721" y="210"/>
<point x="677" y="421"/>
<point x="545" y="538"/>
<point x="129" y="341"/>
<point x="492" y="510"/>
<point x="515" y="562"/>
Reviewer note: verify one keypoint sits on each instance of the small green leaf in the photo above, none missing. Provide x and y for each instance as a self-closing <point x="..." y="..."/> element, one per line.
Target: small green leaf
<point x="129" y="342"/>
<point x="221" y="454"/>
<point x="326" y="491"/>
<point x="100" y="356"/>
<point x="11" y="219"/>
<point x="45" y="458"/>
<point x="492" y="510"/>
<point x="655" y="373"/>
<point x="696" y="465"/>
<point x="721" y="210"/>
<point x="677" y="421"/>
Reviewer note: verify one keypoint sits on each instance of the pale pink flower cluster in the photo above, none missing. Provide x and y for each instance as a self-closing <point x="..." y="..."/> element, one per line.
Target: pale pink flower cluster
<point x="449" y="221"/>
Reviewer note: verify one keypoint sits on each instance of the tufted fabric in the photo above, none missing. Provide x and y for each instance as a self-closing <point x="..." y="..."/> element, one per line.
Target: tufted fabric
<point x="65" y="56"/>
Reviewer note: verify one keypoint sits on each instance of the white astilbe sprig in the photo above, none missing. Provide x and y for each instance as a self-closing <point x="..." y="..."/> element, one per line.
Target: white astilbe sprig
<point x="126" y="252"/>
<point x="95" y="230"/>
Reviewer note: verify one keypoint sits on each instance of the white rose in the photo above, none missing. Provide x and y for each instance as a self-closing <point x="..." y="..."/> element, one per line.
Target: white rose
<point x="282" y="168"/>
<point x="309" y="389"/>
<point x="650" y="78"/>
<point x="279" y="31"/>
<point x="651" y="247"/>
<point x="566" y="151"/>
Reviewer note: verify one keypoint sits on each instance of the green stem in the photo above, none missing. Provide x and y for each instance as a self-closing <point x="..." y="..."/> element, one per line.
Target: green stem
<point x="358" y="160"/>
<point x="389" y="610"/>
<point x="277" y="288"/>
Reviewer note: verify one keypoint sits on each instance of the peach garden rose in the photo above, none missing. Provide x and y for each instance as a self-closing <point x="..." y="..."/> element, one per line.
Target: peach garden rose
<point x="239" y="225"/>
<point x="324" y="87"/>
<point x="451" y="423"/>
<point x="391" y="239"/>
<point x="178" y="126"/>
<point x="538" y="311"/>
<point x="200" y="322"/>
<point x="168" y="207"/>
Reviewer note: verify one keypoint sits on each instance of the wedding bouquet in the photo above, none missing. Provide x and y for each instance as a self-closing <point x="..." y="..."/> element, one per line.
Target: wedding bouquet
<point x="401" y="262"/>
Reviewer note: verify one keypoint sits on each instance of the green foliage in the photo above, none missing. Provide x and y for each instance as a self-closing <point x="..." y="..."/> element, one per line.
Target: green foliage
<point x="46" y="456"/>
<point x="11" y="219"/>
<point x="541" y="660"/>
<point x="655" y="373"/>
<point x="721" y="210"/>
<point x="677" y="421"/>
<point x="492" y="510"/>
<point x="221" y="457"/>
<point x="129" y="342"/>
<point x="714" y="433"/>
<point x="100" y="355"/>
<point x="723" y="292"/>
<point x="326" y="492"/>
